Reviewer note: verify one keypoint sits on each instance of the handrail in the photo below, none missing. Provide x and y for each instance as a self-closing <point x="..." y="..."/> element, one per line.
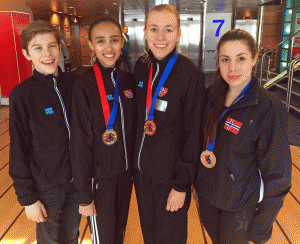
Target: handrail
<point x="290" y="82"/>
<point x="263" y="56"/>
<point x="277" y="78"/>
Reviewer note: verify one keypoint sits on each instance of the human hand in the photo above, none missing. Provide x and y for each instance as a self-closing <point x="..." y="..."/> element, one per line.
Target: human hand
<point x="175" y="200"/>
<point x="88" y="210"/>
<point x="36" y="212"/>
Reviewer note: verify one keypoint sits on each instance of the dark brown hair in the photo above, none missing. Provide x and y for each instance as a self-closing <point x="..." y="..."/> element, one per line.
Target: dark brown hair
<point x="36" y="28"/>
<point x="97" y="22"/>
<point x="101" y="20"/>
<point x="219" y="89"/>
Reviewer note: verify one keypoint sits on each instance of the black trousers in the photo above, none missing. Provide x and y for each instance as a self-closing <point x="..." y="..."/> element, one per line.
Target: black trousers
<point x="61" y="226"/>
<point x="226" y="227"/>
<point x="112" y="200"/>
<point x="160" y="226"/>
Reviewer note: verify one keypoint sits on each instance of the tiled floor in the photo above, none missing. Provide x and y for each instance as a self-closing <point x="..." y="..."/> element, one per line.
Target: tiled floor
<point x="15" y="228"/>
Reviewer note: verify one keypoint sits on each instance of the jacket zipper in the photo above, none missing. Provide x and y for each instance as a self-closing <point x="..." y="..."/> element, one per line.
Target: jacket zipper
<point x="143" y="139"/>
<point x="64" y="110"/>
<point x="122" y="120"/>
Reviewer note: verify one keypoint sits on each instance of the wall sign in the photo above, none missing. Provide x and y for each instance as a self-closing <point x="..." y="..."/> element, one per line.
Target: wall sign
<point x="216" y="25"/>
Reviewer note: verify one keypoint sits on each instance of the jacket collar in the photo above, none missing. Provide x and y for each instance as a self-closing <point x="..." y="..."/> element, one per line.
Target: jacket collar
<point x="47" y="79"/>
<point x="251" y="97"/>
<point x="163" y="62"/>
<point x="104" y="71"/>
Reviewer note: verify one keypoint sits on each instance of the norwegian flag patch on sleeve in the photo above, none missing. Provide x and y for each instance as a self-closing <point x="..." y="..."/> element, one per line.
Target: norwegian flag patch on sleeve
<point x="232" y="125"/>
<point x="128" y="93"/>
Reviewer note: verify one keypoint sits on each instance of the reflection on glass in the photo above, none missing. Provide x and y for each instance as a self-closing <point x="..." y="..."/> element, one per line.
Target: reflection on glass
<point x="289" y="3"/>
<point x="287" y="28"/>
<point x="288" y="15"/>
<point x="284" y="54"/>
<point x="283" y="66"/>
<point x="286" y="44"/>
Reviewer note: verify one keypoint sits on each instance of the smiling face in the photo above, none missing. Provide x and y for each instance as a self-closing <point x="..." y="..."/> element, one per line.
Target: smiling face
<point x="106" y="41"/>
<point x="236" y="63"/>
<point x="44" y="53"/>
<point x="162" y="33"/>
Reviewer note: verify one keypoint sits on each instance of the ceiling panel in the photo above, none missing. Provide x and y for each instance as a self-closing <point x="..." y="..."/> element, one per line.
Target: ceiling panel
<point x="137" y="7"/>
<point x="80" y="7"/>
<point x="187" y="6"/>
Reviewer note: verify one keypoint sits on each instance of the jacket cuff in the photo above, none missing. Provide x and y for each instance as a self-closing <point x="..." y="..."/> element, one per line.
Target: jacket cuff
<point x="177" y="187"/>
<point x="258" y="238"/>
<point x="86" y="195"/>
<point x="28" y="199"/>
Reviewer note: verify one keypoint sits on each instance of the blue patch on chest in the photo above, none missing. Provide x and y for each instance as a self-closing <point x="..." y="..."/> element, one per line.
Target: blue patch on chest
<point x="49" y="111"/>
<point x="110" y="97"/>
<point x="141" y="84"/>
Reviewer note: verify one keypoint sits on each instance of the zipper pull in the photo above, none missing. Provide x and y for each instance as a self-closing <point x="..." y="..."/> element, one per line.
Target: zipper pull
<point x="231" y="175"/>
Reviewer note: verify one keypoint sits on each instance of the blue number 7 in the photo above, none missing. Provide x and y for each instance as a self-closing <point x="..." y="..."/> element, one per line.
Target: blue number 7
<point x="221" y="21"/>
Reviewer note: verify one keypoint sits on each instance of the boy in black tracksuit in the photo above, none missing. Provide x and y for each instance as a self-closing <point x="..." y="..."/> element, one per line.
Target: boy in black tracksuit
<point x="39" y="161"/>
<point x="167" y="159"/>
<point x="110" y="166"/>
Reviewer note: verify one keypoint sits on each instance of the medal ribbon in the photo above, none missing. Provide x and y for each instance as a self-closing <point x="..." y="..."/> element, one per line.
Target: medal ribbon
<point x="162" y="81"/>
<point x="149" y="90"/>
<point x="211" y="146"/>
<point x="109" y="117"/>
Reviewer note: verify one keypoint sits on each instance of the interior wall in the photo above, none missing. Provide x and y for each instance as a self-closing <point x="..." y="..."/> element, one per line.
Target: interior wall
<point x="271" y="29"/>
<point x="15" y="5"/>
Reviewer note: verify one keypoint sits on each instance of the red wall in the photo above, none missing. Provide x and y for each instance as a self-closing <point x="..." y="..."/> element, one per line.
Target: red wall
<point x="14" y="68"/>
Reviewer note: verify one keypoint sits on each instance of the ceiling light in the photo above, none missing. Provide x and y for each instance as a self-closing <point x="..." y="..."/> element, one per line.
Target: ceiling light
<point x="71" y="14"/>
<point x="70" y="7"/>
<point x="60" y="12"/>
<point x="114" y="3"/>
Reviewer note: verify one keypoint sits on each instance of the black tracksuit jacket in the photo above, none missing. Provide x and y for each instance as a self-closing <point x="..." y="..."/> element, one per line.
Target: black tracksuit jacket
<point x="39" y="113"/>
<point x="260" y="143"/>
<point x="91" y="158"/>
<point x="172" y="154"/>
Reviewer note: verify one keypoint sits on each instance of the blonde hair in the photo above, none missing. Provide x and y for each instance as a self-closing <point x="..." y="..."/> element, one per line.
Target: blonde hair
<point x="160" y="8"/>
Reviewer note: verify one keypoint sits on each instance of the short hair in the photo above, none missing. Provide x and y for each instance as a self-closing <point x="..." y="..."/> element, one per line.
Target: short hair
<point x="102" y="20"/>
<point x="36" y="28"/>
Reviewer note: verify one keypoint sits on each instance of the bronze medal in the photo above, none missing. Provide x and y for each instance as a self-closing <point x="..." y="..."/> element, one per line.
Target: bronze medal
<point x="150" y="127"/>
<point x="109" y="137"/>
<point x="208" y="159"/>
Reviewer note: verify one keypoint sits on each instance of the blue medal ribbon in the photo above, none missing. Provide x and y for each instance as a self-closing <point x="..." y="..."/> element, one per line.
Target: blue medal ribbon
<point x="114" y="111"/>
<point x="211" y="146"/>
<point x="162" y="81"/>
